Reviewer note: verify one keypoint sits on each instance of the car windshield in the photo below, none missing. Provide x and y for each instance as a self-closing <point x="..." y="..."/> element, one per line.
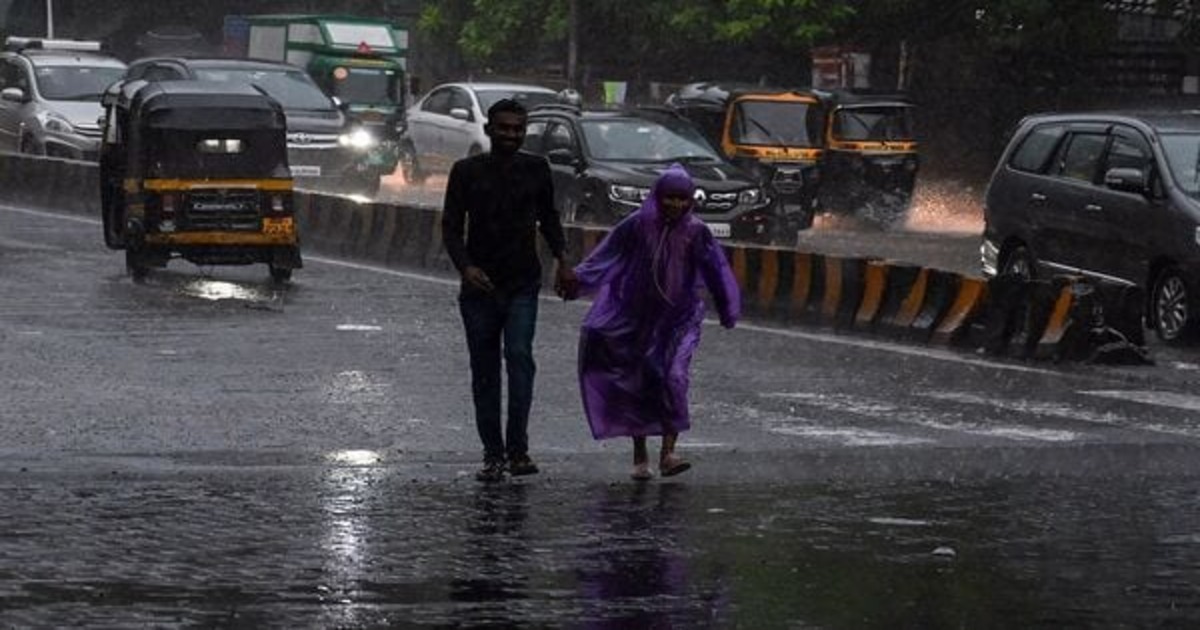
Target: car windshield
<point x="1183" y="156"/>
<point x="292" y="88"/>
<point x="873" y="123"/>
<point x="75" y="83"/>
<point x="640" y="140"/>
<point x="779" y="123"/>
<point x="528" y="98"/>
<point x="365" y="85"/>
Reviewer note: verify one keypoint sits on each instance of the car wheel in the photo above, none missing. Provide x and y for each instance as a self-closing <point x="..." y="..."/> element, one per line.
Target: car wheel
<point x="1171" y="307"/>
<point x="135" y="265"/>
<point x="410" y="166"/>
<point x="1019" y="262"/>
<point x="280" y="274"/>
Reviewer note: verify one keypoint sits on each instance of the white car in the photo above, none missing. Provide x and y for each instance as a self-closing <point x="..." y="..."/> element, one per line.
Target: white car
<point x="446" y="124"/>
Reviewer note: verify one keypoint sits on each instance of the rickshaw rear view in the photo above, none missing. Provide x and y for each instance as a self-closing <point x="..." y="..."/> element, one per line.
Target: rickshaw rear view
<point x="199" y="171"/>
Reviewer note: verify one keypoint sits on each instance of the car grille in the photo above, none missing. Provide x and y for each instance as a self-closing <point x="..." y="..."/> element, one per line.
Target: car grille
<point x="716" y="201"/>
<point x="88" y="131"/>
<point x="302" y="141"/>
<point x="221" y="210"/>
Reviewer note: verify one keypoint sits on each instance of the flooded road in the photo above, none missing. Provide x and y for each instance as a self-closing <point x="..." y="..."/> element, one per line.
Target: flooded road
<point x="377" y="546"/>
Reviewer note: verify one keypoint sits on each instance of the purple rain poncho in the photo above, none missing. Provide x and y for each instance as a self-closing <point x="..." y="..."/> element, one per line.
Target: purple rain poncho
<point x="637" y="340"/>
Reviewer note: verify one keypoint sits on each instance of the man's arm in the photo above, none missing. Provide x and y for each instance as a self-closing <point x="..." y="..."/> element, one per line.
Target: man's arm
<point x="454" y="219"/>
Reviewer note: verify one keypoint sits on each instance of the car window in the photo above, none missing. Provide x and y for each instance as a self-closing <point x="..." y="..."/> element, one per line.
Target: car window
<point x="438" y="102"/>
<point x="1081" y="156"/>
<point x="459" y="99"/>
<point x="488" y="97"/>
<point x="292" y="88"/>
<point x="1128" y="150"/>
<point x="12" y="75"/>
<point x="1036" y="149"/>
<point x="559" y="136"/>
<point x="75" y="83"/>
<point x="643" y="140"/>
<point x="533" y="137"/>
<point x="1182" y="151"/>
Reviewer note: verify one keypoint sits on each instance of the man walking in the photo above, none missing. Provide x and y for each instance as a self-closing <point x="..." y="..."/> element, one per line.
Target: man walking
<point x="495" y="204"/>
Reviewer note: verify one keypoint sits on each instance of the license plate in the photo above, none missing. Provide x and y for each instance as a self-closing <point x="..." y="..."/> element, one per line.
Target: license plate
<point x="306" y="171"/>
<point x="277" y="226"/>
<point x="720" y="230"/>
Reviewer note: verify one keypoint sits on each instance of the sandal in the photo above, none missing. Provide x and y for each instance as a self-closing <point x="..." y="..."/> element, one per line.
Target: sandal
<point x="671" y="466"/>
<point x="641" y="472"/>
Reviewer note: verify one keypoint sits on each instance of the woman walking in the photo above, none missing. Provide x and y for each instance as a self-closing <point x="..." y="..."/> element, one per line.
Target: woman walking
<point x="637" y="340"/>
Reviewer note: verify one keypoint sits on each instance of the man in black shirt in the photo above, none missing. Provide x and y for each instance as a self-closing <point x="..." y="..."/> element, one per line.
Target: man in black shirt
<point x="495" y="204"/>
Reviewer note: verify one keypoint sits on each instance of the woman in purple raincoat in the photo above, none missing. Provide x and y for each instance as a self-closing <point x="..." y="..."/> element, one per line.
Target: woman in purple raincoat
<point x="638" y="338"/>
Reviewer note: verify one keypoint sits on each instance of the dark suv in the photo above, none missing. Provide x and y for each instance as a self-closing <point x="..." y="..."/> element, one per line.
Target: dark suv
<point x="1114" y="196"/>
<point x="604" y="163"/>
<point x="324" y="151"/>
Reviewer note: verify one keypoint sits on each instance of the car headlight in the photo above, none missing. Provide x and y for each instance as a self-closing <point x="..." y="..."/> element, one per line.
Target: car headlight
<point x="358" y="139"/>
<point x="628" y="194"/>
<point x="750" y="196"/>
<point x="55" y="122"/>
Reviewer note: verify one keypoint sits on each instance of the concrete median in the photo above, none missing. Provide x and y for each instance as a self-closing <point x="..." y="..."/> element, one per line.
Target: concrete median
<point x="1053" y="320"/>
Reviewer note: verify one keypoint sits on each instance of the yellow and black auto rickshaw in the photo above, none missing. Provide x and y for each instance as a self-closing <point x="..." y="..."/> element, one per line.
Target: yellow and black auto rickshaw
<point x="197" y="170"/>
<point x="870" y="161"/>
<point x="773" y="132"/>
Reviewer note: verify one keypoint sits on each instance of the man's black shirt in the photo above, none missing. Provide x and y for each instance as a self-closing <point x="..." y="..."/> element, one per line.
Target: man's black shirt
<point x="493" y="209"/>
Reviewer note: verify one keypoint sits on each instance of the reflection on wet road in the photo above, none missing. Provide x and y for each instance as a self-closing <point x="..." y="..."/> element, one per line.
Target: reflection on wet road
<point x="367" y="546"/>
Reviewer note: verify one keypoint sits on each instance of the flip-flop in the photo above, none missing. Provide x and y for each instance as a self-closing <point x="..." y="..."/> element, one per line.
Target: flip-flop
<point x="641" y="473"/>
<point x="675" y="468"/>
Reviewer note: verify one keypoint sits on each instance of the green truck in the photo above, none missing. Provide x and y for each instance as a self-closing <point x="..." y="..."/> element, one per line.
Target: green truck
<point x="361" y="62"/>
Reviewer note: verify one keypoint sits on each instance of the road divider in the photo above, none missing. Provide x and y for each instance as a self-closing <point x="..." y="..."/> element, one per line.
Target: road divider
<point x="1066" y="318"/>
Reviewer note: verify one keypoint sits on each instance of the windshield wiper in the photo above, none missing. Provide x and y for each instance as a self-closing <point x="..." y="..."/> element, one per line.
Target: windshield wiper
<point x="779" y="142"/>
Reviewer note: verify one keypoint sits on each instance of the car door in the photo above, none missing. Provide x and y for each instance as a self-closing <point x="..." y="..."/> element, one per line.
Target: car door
<point x="1124" y="217"/>
<point x="1072" y="237"/>
<point x="561" y="140"/>
<point x="422" y="123"/>
<point x="458" y="126"/>
<point x="13" y="75"/>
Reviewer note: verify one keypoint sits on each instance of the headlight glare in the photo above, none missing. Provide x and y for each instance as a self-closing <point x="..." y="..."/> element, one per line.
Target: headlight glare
<point x="357" y="139"/>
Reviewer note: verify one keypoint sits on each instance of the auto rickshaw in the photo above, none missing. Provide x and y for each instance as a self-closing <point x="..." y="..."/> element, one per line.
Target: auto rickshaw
<point x="196" y="170"/>
<point x="871" y="159"/>
<point x="774" y="133"/>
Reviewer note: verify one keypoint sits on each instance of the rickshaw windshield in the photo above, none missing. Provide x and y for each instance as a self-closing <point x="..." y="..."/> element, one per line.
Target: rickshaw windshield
<point x="873" y="123"/>
<point x="215" y="153"/>
<point x="774" y="123"/>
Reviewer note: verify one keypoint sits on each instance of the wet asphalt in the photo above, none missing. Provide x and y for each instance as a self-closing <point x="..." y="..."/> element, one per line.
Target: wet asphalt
<point x="212" y="450"/>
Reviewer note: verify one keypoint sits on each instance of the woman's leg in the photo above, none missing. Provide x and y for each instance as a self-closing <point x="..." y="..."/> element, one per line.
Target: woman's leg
<point x="668" y="462"/>
<point x="641" y="459"/>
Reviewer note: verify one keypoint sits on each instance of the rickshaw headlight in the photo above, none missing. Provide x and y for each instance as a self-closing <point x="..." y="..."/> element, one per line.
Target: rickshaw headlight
<point x="358" y="139"/>
<point x="55" y="122"/>
<point x="277" y="205"/>
<point x="168" y="203"/>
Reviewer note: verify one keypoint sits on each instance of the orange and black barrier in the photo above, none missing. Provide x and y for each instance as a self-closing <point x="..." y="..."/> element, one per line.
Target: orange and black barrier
<point x="1062" y="319"/>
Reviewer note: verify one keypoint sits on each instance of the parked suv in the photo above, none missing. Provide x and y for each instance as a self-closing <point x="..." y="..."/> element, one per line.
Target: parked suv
<point x="604" y="163"/>
<point x="324" y="149"/>
<point x="446" y="124"/>
<point x="1114" y="196"/>
<point x="50" y="96"/>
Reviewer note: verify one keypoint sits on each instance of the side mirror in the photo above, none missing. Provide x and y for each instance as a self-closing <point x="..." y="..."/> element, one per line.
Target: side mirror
<point x="562" y="157"/>
<point x="1131" y="180"/>
<point x="13" y="94"/>
<point x="460" y="113"/>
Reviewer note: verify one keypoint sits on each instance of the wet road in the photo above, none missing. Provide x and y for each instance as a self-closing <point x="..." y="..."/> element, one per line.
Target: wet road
<point x="209" y="449"/>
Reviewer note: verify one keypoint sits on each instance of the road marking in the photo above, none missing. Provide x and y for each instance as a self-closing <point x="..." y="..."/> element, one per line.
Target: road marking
<point x="1149" y="397"/>
<point x="358" y="328"/>
<point x="925" y="417"/>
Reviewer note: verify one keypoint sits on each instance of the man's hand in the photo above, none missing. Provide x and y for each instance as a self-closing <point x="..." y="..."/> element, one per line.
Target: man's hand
<point x="566" y="283"/>
<point x="475" y="277"/>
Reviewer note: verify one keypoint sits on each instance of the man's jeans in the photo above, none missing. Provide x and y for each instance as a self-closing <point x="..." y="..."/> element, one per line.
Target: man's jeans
<point x="492" y="320"/>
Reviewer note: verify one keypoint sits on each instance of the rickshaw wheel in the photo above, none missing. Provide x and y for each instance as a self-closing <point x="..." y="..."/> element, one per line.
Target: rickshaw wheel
<point x="135" y="265"/>
<point x="280" y="274"/>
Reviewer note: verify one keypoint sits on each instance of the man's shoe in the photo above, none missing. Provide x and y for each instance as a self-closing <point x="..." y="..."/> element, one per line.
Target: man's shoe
<point x="493" y="470"/>
<point x="521" y="465"/>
